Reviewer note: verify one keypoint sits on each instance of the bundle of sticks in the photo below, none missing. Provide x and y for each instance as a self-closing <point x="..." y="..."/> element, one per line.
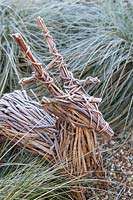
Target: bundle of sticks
<point x="71" y="117"/>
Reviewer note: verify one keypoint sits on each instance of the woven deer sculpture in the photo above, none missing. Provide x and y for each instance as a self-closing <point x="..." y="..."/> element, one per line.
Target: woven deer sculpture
<point x="78" y="119"/>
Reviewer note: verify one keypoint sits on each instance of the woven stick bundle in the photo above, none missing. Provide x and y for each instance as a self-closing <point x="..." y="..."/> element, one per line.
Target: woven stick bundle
<point x="23" y="121"/>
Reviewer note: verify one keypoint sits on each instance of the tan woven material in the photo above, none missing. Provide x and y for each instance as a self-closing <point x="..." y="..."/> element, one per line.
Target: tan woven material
<point x="78" y="118"/>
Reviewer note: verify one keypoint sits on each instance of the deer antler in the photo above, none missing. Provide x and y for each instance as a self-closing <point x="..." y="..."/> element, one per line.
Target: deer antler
<point x="66" y="76"/>
<point x="40" y="73"/>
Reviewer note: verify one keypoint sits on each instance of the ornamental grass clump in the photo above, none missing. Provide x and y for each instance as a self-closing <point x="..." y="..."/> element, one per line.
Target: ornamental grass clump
<point x="26" y="176"/>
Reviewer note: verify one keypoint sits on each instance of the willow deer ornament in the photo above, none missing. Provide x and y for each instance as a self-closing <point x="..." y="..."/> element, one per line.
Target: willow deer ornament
<point x="78" y="119"/>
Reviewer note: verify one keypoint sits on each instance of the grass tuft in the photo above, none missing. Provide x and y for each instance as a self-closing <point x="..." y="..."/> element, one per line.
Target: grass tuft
<point x="26" y="176"/>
